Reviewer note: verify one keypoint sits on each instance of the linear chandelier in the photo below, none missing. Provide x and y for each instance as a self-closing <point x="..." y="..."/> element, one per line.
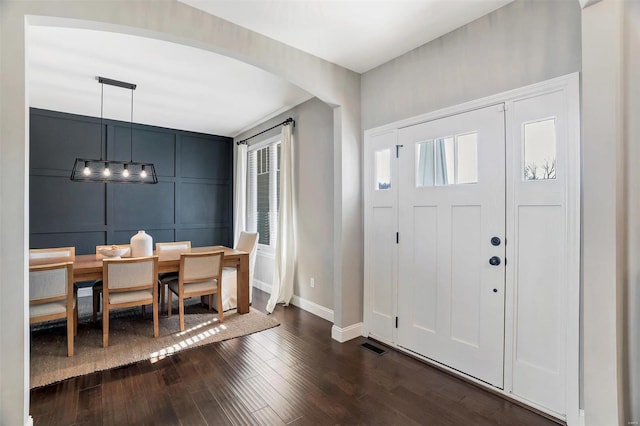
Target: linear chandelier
<point x="113" y="171"/>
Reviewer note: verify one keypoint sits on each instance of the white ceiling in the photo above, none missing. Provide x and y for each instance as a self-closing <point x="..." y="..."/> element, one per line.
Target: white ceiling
<point x="192" y="89"/>
<point x="356" y="34"/>
<point x="179" y="87"/>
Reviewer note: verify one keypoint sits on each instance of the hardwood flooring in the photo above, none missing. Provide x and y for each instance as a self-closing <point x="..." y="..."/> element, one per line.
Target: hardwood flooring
<point x="294" y="374"/>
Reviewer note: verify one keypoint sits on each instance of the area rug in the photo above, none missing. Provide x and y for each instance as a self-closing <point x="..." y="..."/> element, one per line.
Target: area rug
<point x="131" y="340"/>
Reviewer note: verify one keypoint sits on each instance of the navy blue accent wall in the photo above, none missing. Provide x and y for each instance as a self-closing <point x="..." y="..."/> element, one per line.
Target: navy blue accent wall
<point x="193" y="199"/>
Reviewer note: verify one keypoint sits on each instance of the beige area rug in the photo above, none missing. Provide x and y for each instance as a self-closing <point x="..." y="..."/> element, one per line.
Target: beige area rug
<point x="131" y="340"/>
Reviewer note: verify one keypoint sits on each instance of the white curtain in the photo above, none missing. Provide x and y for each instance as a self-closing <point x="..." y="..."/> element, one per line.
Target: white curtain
<point x="282" y="289"/>
<point x="240" y="194"/>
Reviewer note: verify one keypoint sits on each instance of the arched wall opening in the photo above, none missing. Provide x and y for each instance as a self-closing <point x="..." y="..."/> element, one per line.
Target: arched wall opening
<point x="178" y="23"/>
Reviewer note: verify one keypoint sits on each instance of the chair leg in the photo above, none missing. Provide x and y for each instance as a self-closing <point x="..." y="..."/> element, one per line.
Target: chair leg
<point x="144" y="311"/>
<point x="96" y="305"/>
<point x="220" y="310"/>
<point x="169" y="302"/>
<point x="210" y="301"/>
<point x="162" y="296"/>
<point x="156" y="327"/>
<point x="105" y="324"/>
<point x="70" y="333"/>
<point x="181" y="310"/>
<point x="75" y="319"/>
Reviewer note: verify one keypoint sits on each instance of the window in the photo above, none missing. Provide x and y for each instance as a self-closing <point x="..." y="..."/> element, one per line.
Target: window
<point x="540" y="150"/>
<point x="451" y="160"/>
<point x="263" y="191"/>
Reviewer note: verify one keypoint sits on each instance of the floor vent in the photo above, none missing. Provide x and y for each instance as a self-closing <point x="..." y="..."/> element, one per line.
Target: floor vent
<point x="375" y="349"/>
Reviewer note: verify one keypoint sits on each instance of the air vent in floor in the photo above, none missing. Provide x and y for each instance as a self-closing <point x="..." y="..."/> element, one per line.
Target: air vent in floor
<point x="375" y="349"/>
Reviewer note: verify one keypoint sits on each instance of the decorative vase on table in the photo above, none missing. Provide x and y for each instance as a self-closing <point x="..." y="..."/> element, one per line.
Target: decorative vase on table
<point x="141" y="245"/>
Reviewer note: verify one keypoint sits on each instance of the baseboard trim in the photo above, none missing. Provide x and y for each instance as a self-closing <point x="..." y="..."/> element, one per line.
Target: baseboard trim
<point x="345" y="334"/>
<point x="314" y="308"/>
<point x="261" y="285"/>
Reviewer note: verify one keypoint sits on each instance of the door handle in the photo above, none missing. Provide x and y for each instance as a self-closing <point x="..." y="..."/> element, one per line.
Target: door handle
<point x="494" y="261"/>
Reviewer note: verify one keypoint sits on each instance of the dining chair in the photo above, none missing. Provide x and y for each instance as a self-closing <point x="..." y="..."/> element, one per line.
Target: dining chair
<point x="200" y="275"/>
<point x="248" y="241"/>
<point x="128" y="283"/>
<point x="51" y="296"/>
<point x="169" y="251"/>
<point x="96" y="288"/>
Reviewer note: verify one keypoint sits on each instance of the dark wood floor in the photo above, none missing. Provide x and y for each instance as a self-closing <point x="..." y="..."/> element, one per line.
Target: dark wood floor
<point x="292" y="374"/>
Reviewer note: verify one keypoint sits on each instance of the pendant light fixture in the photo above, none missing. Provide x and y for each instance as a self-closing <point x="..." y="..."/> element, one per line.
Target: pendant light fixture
<point x="113" y="171"/>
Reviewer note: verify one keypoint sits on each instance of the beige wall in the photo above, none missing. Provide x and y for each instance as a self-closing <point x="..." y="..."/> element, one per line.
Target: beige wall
<point x="176" y="22"/>
<point x="313" y="183"/>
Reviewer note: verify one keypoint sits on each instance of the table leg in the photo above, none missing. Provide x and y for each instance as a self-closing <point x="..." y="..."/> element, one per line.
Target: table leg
<point x="243" y="285"/>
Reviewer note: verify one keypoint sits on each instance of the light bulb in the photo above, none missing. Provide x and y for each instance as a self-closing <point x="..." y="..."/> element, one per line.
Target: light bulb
<point x="125" y="172"/>
<point x="106" y="170"/>
<point x="143" y="173"/>
<point x="87" y="170"/>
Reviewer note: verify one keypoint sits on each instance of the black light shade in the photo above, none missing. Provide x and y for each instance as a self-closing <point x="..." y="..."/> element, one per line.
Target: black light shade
<point x="93" y="171"/>
<point x="108" y="171"/>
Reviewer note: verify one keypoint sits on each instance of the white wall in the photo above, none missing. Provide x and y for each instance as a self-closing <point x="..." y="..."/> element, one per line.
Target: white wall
<point x="176" y="22"/>
<point x="313" y="183"/>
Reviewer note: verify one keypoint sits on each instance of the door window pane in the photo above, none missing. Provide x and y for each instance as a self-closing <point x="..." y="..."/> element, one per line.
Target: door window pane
<point x="383" y="169"/>
<point x="540" y="150"/>
<point x="467" y="158"/>
<point x="445" y="161"/>
<point x="425" y="164"/>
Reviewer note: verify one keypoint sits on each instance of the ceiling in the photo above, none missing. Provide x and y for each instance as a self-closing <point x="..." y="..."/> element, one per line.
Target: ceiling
<point x="192" y="89"/>
<point x="356" y="34"/>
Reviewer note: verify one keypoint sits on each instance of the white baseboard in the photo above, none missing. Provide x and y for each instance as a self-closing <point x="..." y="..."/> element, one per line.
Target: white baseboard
<point x="261" y="285"/>
<point x="345" y="334"/>
<point x="581" y="418"/>
<point x="314" y="308"/>
<point x="29" y="421"/>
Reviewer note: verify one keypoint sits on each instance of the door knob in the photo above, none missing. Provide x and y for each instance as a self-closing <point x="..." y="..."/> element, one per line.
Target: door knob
<point x="495" y="241"/>
<point x="495" y="261"/>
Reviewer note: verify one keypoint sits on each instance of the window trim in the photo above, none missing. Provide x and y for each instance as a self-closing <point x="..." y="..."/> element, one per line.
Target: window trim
<point x="267" y="250"/>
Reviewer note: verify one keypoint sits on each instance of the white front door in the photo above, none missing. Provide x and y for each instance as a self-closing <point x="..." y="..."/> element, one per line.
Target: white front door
<point x="451" y="275"/>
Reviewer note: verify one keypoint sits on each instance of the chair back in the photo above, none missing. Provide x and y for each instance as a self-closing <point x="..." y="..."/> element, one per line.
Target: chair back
<point x="198" y="267"/>
<point x="248" y="241"/>
<point x="173" y="250"/>
<point x="126" y="254"/>
<point x="50" y="282"/>
<point x="52" y="255"/>
<point x="130" y="274"/>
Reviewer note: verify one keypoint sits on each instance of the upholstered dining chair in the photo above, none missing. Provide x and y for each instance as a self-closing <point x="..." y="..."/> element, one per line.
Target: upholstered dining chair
<point x="248" y="241"/>
<point x="127" y="283"/>
<point x="170" y="251"/>
<point x="51" y="296"/>
<point x="96" y="288"/>
<point x="200" y="275"/>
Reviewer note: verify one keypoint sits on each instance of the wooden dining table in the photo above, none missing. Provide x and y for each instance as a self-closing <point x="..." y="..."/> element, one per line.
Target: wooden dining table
<point x="88" y="267"/>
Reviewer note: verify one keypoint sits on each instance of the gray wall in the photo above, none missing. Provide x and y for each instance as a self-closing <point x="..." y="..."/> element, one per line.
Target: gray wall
<point x="313" y="185"/>
<point x="522" y="43"/>
<point x="191" y="201"/>
<point x="632" y="291"/>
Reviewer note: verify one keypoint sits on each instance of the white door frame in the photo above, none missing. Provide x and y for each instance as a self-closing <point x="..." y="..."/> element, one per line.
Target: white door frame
<point x="571" y="85"/>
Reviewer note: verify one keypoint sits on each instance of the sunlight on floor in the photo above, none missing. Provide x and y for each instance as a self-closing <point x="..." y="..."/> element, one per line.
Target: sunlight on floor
<point x="189" y="341"/>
